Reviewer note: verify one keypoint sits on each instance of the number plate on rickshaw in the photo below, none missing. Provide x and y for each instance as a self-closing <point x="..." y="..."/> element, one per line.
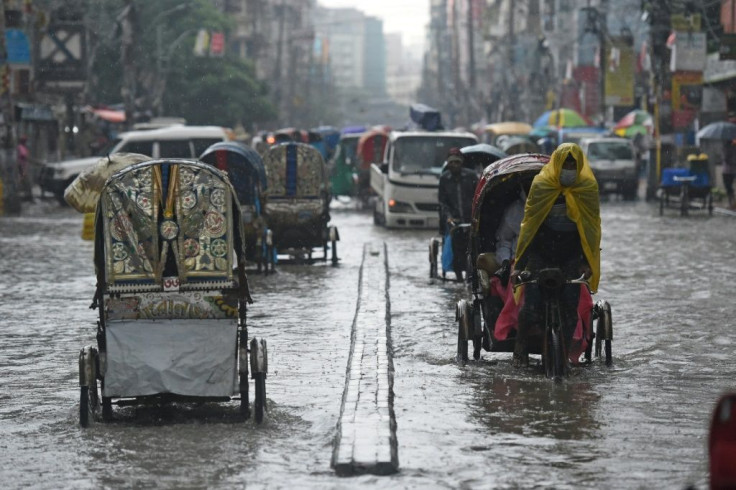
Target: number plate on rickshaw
<point x="171" y="283"/>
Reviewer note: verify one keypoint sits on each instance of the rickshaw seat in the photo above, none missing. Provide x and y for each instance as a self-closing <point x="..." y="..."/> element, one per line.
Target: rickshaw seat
<point x="487" y="262"/>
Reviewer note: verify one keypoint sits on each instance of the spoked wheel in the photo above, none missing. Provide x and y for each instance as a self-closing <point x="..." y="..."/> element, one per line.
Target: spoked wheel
<point x="106" y="408"/>
<point x="477" y="344"/>
<point x="84" y="406"/>
<point x="244" y="398"/>
<point x="555" y="362"/>
<point x="604" y="332"/>
<point x="260" y="403"/>
<point x="433" y="250"/>
<point x="661" y="203"/>
<point x="462" y="344"/>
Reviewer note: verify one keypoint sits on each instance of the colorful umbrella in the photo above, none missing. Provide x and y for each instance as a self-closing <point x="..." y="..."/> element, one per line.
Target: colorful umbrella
<point x="635" y="118"/>
<point x="562" y="118"/>
<point x="632" y="131"/>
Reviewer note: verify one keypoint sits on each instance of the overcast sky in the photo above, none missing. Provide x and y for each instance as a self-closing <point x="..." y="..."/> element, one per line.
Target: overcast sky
<point x="410" y="17"/>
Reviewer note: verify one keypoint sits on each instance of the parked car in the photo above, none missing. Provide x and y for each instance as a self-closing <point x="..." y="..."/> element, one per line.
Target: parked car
<point x="613" y="161"/>
<point x="168" y="142"/>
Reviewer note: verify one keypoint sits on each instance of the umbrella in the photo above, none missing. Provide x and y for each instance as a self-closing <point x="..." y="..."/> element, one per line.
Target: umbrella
<point x="481" y="155"/>
<point x="722" y="130"/>
<point x="632" y="131"/>
<point x="634" y="118"/>
<point x="562" y="118"/>
<point x="84" y="191"/>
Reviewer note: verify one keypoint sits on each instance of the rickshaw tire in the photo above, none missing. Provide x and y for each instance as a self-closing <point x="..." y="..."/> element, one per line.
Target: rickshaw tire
<point x="462" y="345"/>
<point x="260" y="402"/>
<point x="558" y="360"/>
<point x="477" y="344"/>
<point x="84" y="406"/>
<point x="334" y="252"/>
<point x="609" y="356"/>
<point x="106" y="408"/>
<point x="661" y="205"/>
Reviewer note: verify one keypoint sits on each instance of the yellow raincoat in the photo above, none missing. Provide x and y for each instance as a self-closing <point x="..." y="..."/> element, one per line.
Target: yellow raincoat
<point x="581" y="198"/>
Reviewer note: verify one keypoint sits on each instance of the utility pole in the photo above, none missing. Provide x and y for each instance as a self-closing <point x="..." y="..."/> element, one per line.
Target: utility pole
<point x="510" y="78"/>
<point x="7" y="158"/>
<point x="280" y="11"/>
<point x="128" y="20"/>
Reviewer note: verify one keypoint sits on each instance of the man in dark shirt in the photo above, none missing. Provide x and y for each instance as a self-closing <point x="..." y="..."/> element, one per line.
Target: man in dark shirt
<point x="455" y="196"/>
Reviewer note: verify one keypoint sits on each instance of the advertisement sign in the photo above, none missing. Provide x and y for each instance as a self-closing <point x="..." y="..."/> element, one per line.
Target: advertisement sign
<point x="688" y="52"/>
<point x="619" y="84"/>
<point x="687" y="90"/>
<point x="18" y="47"/>
<point x="727" y="49"/>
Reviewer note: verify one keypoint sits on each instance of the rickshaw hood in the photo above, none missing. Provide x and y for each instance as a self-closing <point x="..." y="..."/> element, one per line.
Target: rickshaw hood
<point x="581" y="198"/>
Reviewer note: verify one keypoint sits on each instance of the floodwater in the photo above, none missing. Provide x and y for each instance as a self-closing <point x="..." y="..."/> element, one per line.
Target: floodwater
<point x="640" y="424"/>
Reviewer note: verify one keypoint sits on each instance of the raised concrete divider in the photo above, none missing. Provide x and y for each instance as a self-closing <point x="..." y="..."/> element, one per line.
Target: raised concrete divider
<point x="366" y="431"/>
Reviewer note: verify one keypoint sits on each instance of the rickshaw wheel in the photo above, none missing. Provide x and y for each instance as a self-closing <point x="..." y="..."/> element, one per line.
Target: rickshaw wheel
<point x="477" y="344"/>
<point x="557" y="357"/>
<point x="604" y="336"/>
<point x="106" y="408"/>
<point x="462" y="344"/>
<point x="661" y="203"/>
<point x="84" y="406"/>
<point x="260" y="402"/>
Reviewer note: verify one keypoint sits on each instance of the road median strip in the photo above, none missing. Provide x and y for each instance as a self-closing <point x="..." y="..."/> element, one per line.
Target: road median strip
<point x="366" y="430"/>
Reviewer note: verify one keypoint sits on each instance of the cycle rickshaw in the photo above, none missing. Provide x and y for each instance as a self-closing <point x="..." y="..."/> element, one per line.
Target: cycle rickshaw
<point x="297" y="204"/>
<point x="476" y="158"/>
<point x="244" y="167"/>
<point x="171" y="293"/>
<point x="687" y="188"/>
<point x="478" y="318"/>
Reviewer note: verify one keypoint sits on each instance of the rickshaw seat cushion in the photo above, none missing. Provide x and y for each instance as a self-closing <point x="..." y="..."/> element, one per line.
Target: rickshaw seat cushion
<point x="670" y="175"/>
<point x="487" y="262"/>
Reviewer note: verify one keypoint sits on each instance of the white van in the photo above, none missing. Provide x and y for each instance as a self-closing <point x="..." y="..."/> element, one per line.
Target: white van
<point x="169" y="142"/>
<point x="407" y="181"/>
<point x="613" y="162"/>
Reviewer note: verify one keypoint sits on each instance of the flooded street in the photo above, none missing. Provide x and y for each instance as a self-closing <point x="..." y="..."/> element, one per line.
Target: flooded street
<point x="641" y="424"/>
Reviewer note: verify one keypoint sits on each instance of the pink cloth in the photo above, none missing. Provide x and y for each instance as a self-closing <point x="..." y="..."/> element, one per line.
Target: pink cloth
<point x="22" y="159"/>
<point x="508" y="320"/>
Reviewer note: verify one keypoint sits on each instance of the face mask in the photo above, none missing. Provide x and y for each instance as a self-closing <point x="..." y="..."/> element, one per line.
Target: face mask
<point x="567" y="177"/>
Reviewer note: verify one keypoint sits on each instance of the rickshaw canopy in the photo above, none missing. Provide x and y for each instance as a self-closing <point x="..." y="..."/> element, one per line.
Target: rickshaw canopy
<point x="295" y="170"/>
<point x="481" y="155"/>
<point x="370" y="147"/>
<point x="165" y="218"/>
<point x="243" y="165"/>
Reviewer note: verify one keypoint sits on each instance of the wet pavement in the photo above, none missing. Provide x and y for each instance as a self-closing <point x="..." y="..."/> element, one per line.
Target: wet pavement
<point x="640" y="424"/>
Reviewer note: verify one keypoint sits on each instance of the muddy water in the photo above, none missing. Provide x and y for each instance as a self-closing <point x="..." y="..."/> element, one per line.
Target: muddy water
<point x="639" y="424"/>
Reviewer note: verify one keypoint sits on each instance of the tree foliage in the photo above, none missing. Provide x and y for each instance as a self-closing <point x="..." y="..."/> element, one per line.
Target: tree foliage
<point x="204" y="90"/>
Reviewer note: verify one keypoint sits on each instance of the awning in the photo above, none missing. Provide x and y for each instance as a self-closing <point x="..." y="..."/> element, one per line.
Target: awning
<point x="110" y="115"/>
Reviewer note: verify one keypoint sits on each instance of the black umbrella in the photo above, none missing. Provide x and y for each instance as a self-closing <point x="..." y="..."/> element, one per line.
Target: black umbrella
<point x="722" y="130"/>
<point x="481" y="155"/>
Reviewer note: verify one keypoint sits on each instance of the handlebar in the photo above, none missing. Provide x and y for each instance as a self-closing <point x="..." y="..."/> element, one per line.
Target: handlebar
<point x="550" y="278"/>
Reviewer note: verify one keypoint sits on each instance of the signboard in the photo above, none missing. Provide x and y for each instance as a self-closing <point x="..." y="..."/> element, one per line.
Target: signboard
<point x="619" y="84"/>
<point x="217" y="44"/>
<point x="18" y="47"/>
<point x="681" y="22"/>
<point x="727" y="49"/>
<point x="62" y="54"/>
<point x="688" y="52"/>
<point x="687" y="90"/>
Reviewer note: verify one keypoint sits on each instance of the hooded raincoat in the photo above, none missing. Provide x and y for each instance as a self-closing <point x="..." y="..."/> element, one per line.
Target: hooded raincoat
<point x="581" y="199"/>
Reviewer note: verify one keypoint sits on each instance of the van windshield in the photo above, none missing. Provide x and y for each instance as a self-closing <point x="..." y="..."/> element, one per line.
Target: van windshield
<point x="610" y="150"/>
<point x="425" y="153"/>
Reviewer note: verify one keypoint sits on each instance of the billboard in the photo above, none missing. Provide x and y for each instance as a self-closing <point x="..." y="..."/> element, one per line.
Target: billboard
<point x="620" y="72"/>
